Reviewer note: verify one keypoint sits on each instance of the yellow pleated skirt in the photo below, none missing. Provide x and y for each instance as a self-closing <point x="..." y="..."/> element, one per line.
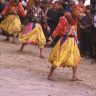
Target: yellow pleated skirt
<point x="66" y="54"/>
<point x="11" y="24"/>
<point x="34" y="37"/>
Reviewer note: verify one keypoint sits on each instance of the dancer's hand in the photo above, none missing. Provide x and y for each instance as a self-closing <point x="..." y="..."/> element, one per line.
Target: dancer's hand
<point x="50" y="41"/>
<point x="22" y="28"/>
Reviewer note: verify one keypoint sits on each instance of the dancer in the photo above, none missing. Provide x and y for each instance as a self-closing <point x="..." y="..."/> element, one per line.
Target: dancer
<point x="11" y="25"/>
<point x="66" y="51"/>
<point x="33" y="33"/>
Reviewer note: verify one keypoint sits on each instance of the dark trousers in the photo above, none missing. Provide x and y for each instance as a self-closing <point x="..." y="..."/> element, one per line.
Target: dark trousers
<point x="94" y="43"/>
<point x="85" y="40"/>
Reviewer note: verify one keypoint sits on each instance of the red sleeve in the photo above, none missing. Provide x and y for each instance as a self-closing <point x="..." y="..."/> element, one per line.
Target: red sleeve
<point x="5" y="10"/>
<point x="69" y="17"/>
<point x="61" y="28"/>
<point x="21" y="10"/>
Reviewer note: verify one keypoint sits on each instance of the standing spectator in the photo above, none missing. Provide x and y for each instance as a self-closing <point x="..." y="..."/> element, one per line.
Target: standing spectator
<point x="52" y="16"/>
<point x="80" y="28"/>
<point x="94" y="38"/>
<point x="86" y="33"/>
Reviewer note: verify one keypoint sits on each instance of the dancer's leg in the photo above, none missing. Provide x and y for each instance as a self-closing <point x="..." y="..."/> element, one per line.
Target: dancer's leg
<point x="23" y="44"/>
<point x="50" y="75"/>
<point x="74" y="77"/>
<point x="41" y="52"/>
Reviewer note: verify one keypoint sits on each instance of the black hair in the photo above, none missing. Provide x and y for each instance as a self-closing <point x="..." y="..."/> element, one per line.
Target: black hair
<point x="88" y="7"/>
<point x="16" y="1"/>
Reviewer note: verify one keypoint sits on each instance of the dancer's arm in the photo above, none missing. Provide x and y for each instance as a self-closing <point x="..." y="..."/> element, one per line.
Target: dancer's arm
<point x="21" y="10"/>
<point x="5" y="10"/>
<point x="61" y="28"/>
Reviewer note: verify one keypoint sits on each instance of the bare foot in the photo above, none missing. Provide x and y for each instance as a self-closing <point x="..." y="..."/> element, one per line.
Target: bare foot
<point x="41" y="56"/>
<point x="50" y="78"/>
<point x="7" y="39"/>
<point x="76" y="79"/>
<point x="20" y="50"/>
<point x="49" y="44"/>
<point x="14" y="42"/>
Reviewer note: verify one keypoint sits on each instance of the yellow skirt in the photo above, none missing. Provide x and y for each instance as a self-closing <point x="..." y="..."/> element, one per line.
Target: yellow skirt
<point x="66" y="54"/>
<point x="34" y="37"/>
<point x="11" y="24"/>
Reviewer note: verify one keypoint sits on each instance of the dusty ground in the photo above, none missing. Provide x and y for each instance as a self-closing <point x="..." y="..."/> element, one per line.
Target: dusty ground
<point x="24" y="74"/>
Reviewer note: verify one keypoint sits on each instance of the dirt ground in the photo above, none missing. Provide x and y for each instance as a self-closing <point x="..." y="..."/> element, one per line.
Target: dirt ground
<point x="25" y="74"/>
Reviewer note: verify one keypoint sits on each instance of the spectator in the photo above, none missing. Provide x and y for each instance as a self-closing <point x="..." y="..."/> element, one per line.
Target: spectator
<point x="53" y="15"/>
<point x="86" y="33"/>
<point x="94" y="38"/>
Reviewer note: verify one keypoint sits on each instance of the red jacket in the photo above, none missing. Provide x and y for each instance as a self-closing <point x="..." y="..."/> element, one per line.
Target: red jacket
<point x="63" y="25"/>
<point x="16" y="9"/>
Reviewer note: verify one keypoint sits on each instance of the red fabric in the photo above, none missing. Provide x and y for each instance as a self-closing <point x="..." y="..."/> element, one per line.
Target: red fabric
<point x="19" y="8"/>
<point x="77" y="9"/>
<point x="5" y="10"/>
<point x="70" y="19"/>
<point x="61" y="28"/>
